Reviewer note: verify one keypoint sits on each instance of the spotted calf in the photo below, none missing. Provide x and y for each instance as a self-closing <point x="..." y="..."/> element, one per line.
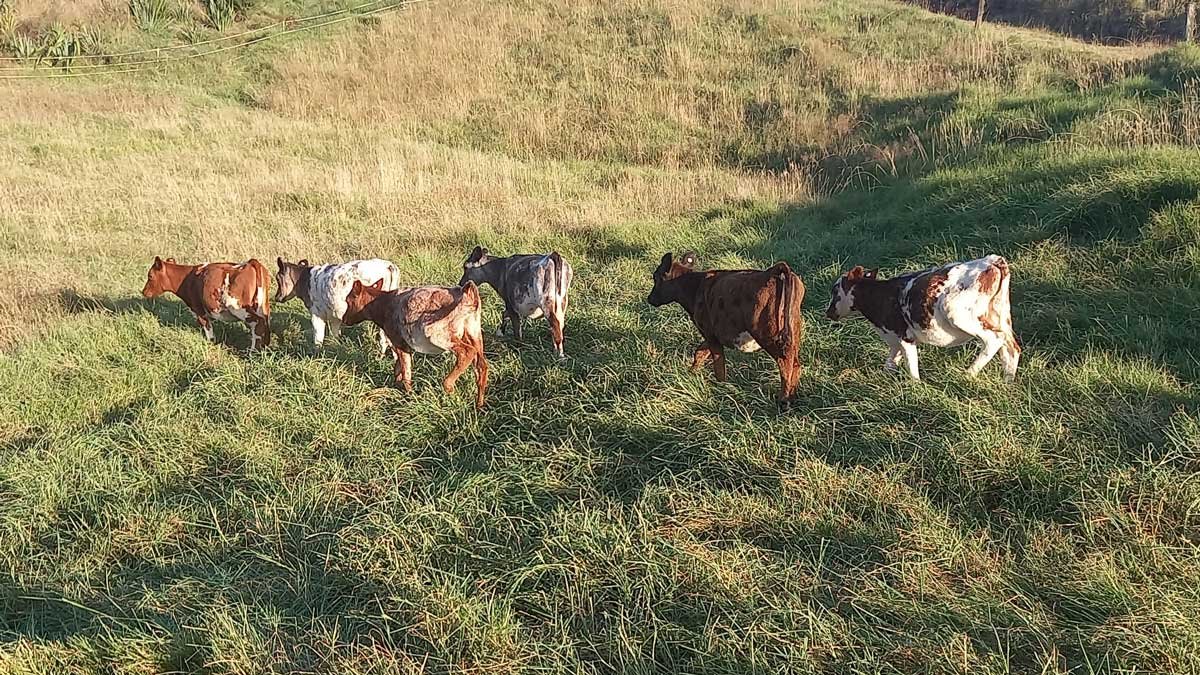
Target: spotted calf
<point x="743" y="309"/>
<point x="428" y="320"/>
<point x="942" y="306"/>
<point x="217" y="291"/>
<point x="323" y="290"/>
<point x="530" y="286"/>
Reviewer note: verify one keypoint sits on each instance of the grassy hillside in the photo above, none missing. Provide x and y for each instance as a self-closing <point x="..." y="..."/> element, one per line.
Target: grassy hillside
<point x="174" y="506"/>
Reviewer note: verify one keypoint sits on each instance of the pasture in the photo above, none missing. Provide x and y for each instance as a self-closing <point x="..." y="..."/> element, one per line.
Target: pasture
<point x="171" y="505"/>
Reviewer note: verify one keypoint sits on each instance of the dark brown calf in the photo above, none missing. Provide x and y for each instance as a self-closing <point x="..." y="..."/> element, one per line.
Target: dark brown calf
<point x="425" y="319"/>
<point x="218" y="291"/>
<point x="743" y="309"/>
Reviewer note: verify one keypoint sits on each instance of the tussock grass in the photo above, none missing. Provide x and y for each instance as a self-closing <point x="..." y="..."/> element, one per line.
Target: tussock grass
<point x="175" y="506"/>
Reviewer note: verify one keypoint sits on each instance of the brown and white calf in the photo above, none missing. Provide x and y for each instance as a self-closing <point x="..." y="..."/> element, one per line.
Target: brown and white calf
<point x="942" y="306"/>
<point x="531" y="285"/>
<point x="218" y="291"/>
<point x="742" y="309"/>
<point x="428" y="320"/>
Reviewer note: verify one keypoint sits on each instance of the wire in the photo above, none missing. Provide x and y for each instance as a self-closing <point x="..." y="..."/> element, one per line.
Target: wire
<point x="119" y="68"/>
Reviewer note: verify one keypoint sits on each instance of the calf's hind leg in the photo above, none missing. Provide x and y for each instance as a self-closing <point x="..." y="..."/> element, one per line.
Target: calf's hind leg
<point x="481" y="373"/>
<point x="556" y="333"/>
<point x="787" y="358"/>
<point x="260" y="330"/>
<point x="464" y="354"/>
<point x="992" y="342"/>
<point x="1010" y="355"/>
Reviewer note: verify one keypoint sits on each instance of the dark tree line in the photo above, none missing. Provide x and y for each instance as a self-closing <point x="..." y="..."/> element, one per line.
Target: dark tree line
<point x="1097" y="20"/>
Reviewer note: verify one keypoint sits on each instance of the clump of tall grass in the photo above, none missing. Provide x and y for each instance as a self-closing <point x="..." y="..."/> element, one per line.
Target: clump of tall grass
<point x="151" y="15"/>
<point x="222" y="13"/>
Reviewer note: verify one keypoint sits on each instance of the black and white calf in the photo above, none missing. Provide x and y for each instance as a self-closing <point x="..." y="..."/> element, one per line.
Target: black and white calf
<point x="323" y="290"/>
<point x="530" y="285"/>
<point x="942" y="306"/>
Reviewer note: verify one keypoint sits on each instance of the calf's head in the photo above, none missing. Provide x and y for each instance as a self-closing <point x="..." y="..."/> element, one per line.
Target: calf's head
<point x="473" y="266"/>
<point x="668" y="271"/>
<point x="357" y="300"/>
<point x="287" y="278"/>
<point x="841" y="304"/>
<point x="157" y="281"/>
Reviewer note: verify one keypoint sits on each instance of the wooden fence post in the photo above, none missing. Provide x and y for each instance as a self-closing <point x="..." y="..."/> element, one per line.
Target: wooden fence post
<point x="1190" y="31"/>
<point x="979" y="15"/>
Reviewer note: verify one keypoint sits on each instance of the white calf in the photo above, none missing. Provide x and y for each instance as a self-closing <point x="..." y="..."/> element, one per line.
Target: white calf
<point x="323" y="290"/>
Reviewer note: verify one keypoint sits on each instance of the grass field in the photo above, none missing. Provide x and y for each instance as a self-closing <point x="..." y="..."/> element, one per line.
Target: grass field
<point x="169" y="505"/>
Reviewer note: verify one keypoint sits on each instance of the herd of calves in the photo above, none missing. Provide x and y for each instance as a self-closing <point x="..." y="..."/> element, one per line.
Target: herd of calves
<point x="743" y="309"/>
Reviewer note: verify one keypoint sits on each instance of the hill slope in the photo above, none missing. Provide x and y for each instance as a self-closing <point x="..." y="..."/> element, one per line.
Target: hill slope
<point x="174" y="505"/>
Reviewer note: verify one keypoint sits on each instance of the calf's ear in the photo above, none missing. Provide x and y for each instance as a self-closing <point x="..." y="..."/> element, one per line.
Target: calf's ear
<point x="171" y="260"/>
<point x="378" y="285"/>
<point x="303" y="262"/>
<point x="855" y="273"/>
<point x="157" y="263"/>
<point x="279" y="261"/>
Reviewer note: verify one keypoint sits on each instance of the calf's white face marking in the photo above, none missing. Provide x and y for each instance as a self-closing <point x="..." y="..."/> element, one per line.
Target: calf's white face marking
<point x="843" y="302"/>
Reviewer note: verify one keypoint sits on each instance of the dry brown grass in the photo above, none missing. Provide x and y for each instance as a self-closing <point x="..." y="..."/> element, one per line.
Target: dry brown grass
<point x="35" y="16"/>
<point x="481" y="117"/>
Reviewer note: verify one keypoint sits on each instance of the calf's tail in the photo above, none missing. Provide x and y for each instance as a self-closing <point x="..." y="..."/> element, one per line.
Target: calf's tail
<point x="262" y="280"/>
<point x="560" y="290"/>
<point x="1002" y="303"/>
<point x="788" y="299"/>
<point x="470" y="296"/>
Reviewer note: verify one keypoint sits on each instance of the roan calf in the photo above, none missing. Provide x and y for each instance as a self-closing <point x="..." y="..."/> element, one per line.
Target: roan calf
<point x="221" y="291"/>
<point x="323" y="290"/>
<point x="943" y="306"/>
<point x="425" y="319"/>
<point x="743" y="309"/>
<point x="530" y="286"/>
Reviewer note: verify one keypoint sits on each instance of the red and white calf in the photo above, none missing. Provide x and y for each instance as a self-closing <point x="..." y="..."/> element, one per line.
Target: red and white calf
<point x="217" y="291"/>
<point x="943" y="306"/>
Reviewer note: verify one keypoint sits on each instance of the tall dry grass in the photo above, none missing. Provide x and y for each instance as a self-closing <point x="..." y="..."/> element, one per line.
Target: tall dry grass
<point x="453" y="118"/>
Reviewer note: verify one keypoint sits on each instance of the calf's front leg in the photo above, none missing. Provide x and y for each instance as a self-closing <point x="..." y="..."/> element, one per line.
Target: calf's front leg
<point x="206" y="327"/>
<point x="909" y="353"/>
<point x="318" y="325"/>
<point x="895" y="355"/>
<point x="385" y="345"/>
<point x="403" y="369"/>
<point x="701" y="357"/>
<point x="718" y="363"/>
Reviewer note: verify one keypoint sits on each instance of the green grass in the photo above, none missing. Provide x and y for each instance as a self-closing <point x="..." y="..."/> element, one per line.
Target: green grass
<point x="167" y="505"/>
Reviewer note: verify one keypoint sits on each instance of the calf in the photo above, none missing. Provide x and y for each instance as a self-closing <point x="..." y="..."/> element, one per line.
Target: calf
<point x="425" y="319"/>
<point x="942" y="306"/>
<point x="323" y="290"/>
<point x="221" y="291"/>
<point x="530" y="285"/>
<point x="743" y="309"/>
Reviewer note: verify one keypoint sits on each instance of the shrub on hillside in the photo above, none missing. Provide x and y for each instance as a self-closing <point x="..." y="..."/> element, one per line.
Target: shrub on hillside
<point x="1098" y="20"/>
<point x="1175" y="67"/>
<point x="221" y="13"/>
